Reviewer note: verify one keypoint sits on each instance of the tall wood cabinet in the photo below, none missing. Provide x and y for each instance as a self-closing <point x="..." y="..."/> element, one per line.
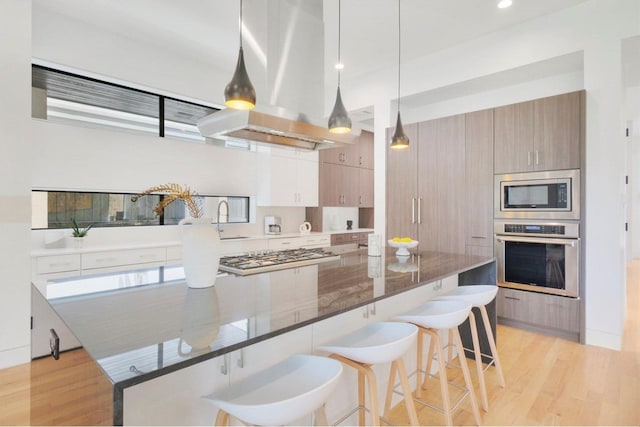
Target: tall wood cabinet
<point x="479" y="182"/>
<point x="544" y="134"/>
<point x="441" y="184"/>
<point x="440" y="189"/>
<point x="425" y="185"/>
<point x="402" y="186"/>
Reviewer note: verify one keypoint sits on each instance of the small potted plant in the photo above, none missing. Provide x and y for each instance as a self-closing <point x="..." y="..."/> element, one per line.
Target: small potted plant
<point x="79" y="233"/>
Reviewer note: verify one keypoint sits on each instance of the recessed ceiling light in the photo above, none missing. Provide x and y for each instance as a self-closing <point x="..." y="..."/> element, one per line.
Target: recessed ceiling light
<point x="339" y="66"/>
<point x="502" y="4"/>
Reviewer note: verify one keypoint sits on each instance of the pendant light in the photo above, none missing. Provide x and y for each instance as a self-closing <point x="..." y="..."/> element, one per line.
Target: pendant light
<point x="239" y="93"/>
<point x="339" y="121"/>
<point x="400" y="140"/>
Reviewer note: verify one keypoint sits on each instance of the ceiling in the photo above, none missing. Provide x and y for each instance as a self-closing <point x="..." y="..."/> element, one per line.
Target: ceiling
<point x="369" y="27"/>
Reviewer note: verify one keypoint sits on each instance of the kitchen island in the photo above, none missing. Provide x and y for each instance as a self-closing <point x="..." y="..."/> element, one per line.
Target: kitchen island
<point x="161" y="345"/>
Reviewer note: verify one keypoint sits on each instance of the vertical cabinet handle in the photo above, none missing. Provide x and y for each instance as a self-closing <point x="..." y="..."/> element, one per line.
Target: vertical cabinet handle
<point x="537" y="157"/>
<point x="241" y="359"/>
<point x="528" y="158"/>
<point x="419" y="210"/>
<point x="224" y="369"/>
<point x="413" y="210"/>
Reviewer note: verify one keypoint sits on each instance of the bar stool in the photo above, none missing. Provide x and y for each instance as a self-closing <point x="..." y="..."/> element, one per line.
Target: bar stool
<point x="280" y="394"/>
<point x="380" y="342"/>
<point x="479" y="296"/>
<point x="430" y="318"/>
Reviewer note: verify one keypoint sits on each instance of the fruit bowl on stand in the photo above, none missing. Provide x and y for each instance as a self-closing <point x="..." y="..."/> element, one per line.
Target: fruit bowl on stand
<point x="403" y="245"/>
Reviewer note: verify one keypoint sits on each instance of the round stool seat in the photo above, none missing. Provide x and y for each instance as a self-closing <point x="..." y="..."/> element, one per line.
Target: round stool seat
<point x="476" y="295"/>
<point x="375" y="343"/>
<point x="282" y="393"/>
<point x="440" y="314"/>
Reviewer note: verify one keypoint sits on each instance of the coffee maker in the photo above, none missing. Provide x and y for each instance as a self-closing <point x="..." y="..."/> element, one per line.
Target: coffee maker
<point x="272" y="225"/>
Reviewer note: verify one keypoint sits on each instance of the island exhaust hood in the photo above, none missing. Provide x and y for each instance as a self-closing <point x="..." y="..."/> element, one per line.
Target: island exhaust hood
<point x="274" y="126"/>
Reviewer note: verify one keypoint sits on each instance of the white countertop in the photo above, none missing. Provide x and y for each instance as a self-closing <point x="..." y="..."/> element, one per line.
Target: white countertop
<point x="115" y="247"/>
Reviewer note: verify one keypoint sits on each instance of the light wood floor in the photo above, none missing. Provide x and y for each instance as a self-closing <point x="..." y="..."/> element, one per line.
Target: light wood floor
<point x="550" y="381"/>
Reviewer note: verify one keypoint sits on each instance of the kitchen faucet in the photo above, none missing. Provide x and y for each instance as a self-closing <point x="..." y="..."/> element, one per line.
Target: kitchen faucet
<point x="220" y="203"/>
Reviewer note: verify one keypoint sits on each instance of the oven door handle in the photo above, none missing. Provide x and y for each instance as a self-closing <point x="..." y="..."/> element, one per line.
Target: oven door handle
<point x="566" y="242"/>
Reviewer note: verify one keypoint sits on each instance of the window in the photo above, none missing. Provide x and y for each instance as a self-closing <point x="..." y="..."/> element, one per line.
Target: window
<point x="69" y="98"/>
<point x="55" y="209"/>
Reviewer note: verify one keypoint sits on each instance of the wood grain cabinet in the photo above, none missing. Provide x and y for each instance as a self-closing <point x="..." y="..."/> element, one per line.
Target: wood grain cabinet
<point x="540" y="312"/>
<point x="479" y="183"/>
<point x="440" y="189"/>
<point x="544" y="134"/>
<point x="426" y="185"/>
<point x="346" y="174"/>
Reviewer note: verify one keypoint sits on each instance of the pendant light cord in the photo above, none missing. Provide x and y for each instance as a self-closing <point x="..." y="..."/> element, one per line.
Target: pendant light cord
<point x="339" y="27"/>
<point x="240" y="24"/>
<point x="399" y="56"/>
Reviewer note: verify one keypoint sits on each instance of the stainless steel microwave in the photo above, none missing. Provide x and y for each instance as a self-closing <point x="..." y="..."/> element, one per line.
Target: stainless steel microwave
<point x="538" y="195"/>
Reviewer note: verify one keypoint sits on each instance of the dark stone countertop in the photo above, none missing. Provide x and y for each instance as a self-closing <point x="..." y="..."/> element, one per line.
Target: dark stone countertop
<point x="140" y="324"/>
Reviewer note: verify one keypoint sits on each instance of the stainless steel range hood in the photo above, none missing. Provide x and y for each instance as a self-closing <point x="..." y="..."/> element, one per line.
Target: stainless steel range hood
<point x="271" y="125"/>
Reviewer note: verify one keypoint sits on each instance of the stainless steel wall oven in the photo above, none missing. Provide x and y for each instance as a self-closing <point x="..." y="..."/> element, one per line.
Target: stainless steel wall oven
<point x="541" y="256"/>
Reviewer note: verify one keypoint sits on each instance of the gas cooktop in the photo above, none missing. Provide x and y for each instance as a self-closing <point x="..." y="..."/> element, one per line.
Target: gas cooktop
<point x="262" y="261"/>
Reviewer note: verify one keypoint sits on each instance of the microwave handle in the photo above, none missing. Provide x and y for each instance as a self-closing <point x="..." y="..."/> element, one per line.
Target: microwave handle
<point x="566" y="242"/>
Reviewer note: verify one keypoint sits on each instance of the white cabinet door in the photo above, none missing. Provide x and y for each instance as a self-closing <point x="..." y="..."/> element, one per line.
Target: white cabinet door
<point x="176" y="398"/>
<point x="345" y="397"/>
<point x="293" y="292"/>
<point x="288" y="178"/>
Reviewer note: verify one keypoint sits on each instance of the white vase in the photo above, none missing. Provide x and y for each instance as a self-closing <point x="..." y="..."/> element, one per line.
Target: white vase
<point x="200" y="252"/>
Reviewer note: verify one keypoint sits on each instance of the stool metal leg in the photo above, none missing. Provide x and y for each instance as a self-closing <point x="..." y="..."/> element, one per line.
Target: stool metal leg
<point x="478" y="357"/>
<point x="467" y="377"/>
<point x="492" y="345"/>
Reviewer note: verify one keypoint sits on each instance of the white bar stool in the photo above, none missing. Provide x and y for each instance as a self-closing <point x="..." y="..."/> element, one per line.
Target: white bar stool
<point x="431" y="317"/>
<point x="380" y="342"/>
<point x="479" y="296"/>
<point x="280" y="394"/>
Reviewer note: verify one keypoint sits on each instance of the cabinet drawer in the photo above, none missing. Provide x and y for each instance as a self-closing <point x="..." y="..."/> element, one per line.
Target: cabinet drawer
<point x="315" y="241"/>
<point x="128" y="257"/>
<point x="57" y="263"/>
<point x="344" y="238"/>
<point x="174" y="253"/>
<point x="541" y="310"/>
<point x="281" y="244"/>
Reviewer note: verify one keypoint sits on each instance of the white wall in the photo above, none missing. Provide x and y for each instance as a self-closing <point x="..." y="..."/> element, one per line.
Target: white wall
<point x="593" y="29"/>
<point x="15" y="174"/>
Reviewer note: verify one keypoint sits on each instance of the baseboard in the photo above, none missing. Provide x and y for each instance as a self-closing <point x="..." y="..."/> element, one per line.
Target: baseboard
<point x="567" y="335"/>
<point x="15" y="356"/>
<point x="603" y="339"/>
